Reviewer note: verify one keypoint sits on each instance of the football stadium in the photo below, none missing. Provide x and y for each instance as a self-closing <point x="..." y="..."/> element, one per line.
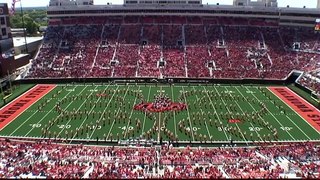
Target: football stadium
<point x="164" y="89"/>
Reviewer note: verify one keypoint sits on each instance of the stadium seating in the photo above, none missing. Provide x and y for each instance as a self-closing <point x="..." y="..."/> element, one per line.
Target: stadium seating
<point x="311" y="80"/>
<point x="127" y="66"/>
<point x="149" y="57"/>
<point x="190" y="47"/>
<point x="51" y="160"/>
<point x="197" y="61"/>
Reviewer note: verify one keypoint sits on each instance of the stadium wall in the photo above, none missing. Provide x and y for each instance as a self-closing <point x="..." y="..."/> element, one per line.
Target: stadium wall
<point x="154" y="80"/>
<point x="290" y="79"/>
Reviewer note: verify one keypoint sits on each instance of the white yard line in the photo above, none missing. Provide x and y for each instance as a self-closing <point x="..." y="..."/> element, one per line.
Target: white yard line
<point x="273" y="116"/>
<point x="114" y="120"/>
<point x="185" y="99"/>
<point x="49" y="113"/>
<point x="243" y="111"/>
<point x="201" y="119"/>
<point x="86" y="117"/>
<point x="302" y="99"/>
<point x="79" y="108"/>
<point x="127" y="127"/>
<point x="174" y="114"/>
<point x="287" y="115"/>
<point x="103" y="112"/>
<point x="210" y="137"/>
<point x="307" y="103"/>
<point x="244" y="138"/>
<point x="145" y="113"/>
<point x="23" y="111"/>
<point x="159" y="125"/>
<point x="215" y="111"/>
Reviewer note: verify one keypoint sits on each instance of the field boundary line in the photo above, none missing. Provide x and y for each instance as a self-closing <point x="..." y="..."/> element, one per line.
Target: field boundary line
<point x="272" y="115"/>
<point x="36" y="111"/>
<point x="32" y="139"/>
<point x="13" y="102"/>
<point x="303" y="99"/>
<point x="288" y="116"/>
<point x="28" y="105"/>
<point x="296" y="112"/>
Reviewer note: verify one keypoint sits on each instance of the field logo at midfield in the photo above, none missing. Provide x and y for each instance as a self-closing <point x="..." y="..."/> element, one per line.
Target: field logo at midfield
<point x="161" y="103"/>
<point x="16" y="107"/>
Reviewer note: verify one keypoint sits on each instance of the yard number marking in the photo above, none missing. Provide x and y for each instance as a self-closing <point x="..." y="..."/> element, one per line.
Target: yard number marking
<point x="223" y="128"/>
<point x="286" y="128"/>
<point x="124" y="128"/>
<point x="62" y="126"/>
<point x="193" y="128"/>
<point x="255" y="128"/>
<point x="228" y="92"/>
<point x="35" y="125"/>
<point x="94" y="127"/>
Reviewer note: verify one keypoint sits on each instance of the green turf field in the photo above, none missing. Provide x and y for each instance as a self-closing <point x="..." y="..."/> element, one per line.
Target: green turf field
<point x="105" y="112"/>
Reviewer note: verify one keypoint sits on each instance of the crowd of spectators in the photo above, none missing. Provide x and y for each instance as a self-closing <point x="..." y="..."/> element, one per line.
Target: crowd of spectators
<point x="188" y="47"/>
<point x="67" y="52"/>
<point x="127" y="66"/>
<point x="311" y="75"/>
<point x="311" y="80"/>
<point x="51" y="160"/>
<point x="148" y="62"/>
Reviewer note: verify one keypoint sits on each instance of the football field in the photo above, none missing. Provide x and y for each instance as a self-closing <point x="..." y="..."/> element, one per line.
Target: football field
<point x="184" y="113"/>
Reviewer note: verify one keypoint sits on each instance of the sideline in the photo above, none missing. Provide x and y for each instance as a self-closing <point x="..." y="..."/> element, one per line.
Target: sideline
<point x="12" y="110"/>
<point x="299" y="105"/>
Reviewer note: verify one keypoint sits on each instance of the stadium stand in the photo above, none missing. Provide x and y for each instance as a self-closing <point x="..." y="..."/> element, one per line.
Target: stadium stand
<point x="219" y="48"/>
<point x="51" y="160"/>
<point x="311" y="80"/>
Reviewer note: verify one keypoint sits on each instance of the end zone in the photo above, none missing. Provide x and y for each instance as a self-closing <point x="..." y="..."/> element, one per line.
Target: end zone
<point x="301" y="106"/>
<point x="12" y="110"/>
